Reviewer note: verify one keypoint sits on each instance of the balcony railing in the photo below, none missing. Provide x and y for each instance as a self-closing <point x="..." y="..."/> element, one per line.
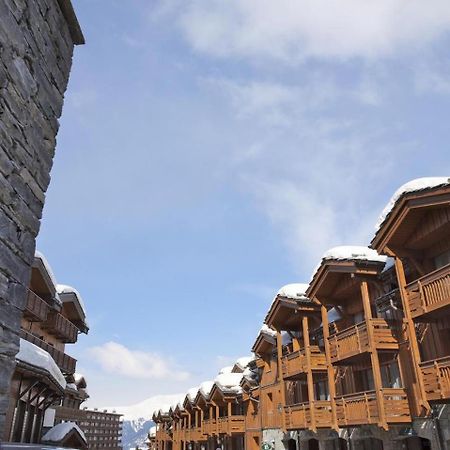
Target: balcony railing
<point x="300" y="416"/>
<point x="363" y="408"/>
<point x="355" y="340"/>
<point x="62" y="328"/>
<point x="429" y="292"/>
<point x="296" y="363"/>
<point x="36" y="309"/>
<point x="231" y="425"/>
<point x="436" y="378"/>
<point x="65" y="362"/>
<point x="271" y="419"/>
<point x="210" y="427"/>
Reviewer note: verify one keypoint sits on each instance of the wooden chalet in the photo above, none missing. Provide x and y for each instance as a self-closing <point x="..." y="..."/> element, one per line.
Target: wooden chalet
<point x="301" y="360"/>
<point x="415" y="230"/>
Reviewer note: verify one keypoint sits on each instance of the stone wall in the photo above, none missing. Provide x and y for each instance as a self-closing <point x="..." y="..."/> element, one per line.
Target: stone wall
<point x="37" y="38"/>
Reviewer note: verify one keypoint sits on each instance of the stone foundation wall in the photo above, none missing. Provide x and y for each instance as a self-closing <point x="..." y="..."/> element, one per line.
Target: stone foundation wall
<point x="37" y="38"/>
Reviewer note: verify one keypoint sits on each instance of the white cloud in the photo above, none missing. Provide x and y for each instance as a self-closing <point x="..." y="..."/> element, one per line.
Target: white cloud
<point x="432" y="78"/>
<point x="292" y="30"/>
<point x="116" y="358"/>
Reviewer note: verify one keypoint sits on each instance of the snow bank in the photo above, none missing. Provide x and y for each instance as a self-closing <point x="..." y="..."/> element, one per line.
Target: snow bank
<point x="34" y="356"/>
<point x="419" y="184"/>
<point x="60" y="431"/>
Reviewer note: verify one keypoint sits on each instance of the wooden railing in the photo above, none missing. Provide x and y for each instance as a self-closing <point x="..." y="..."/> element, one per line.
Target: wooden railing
<point x="210" y="427"/>
<point x="61" y="327"/>
<point x="363" y="409"/>
<point x="36" y="309"/>
<point x="65" y="362"/>
<point x="271" y="419"/>
<point x="429" y="292"/>
<point x="436" y="378"/>
<point x="296" y="363"/>
<point x="355" y="340"/>
<point x="231" y="425"/>
<point x="300" y="416"/>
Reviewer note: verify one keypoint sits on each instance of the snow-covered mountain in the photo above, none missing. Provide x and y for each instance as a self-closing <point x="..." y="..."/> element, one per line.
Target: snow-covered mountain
<point x="137" y="419"/>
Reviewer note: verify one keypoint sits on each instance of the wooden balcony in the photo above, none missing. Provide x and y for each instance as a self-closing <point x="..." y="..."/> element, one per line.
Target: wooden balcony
<point x="354" y="340"/>
<point x="428" y="295"/>
<point x="271" y="419"/>
<point x="363" y="409"/>
<point x="232" y="425"/>
<point x="299" y="416"/>
<point x="65" y="362"/>
<point x="436" y="378"/>
<point x="195" y="434"/>
<point x="36" y="309"/>
<point x="296" y="363"/>
<point x="210" y="427"/>
<point x="62" y="328"/>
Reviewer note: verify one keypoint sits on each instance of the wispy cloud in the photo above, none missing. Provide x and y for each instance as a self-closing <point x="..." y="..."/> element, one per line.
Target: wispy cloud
<point x="292" y="31"/>
<point x="118" y="359"/>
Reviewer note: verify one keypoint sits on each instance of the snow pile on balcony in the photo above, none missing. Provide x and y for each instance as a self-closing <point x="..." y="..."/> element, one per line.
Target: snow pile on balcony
<point x="34" y="356"/>
<point x="419" y="184"/>
<point x="266" y="330"/>
<point x="65" y="289"/>
<point x="229" y="382"/>
<point x="205" y="388"/>
<point x="295" y="291"/>
<point x="227" y="369"/>
<point x="244" y="361"/>
<point x="60" y="431"/>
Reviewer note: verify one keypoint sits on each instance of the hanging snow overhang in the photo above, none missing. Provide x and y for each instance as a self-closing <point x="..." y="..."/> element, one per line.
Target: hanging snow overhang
<point x="241" y="364"/>
<point x="337" y="277"/>
<point x="266" y="341"/>
<point x="395" y="230"/>
<point x="65" y="434"/>
<point x="73" y="306"/>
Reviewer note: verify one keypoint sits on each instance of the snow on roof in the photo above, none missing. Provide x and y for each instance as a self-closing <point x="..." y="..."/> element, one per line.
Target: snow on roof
<point x="227" y="369"/>
<point x="244" y="361"/>
<point x="47" y="267"/>
<point x="152" y="431"/>
<point x="353" y="252"/>
<point x="72" y="386"/>
<point x="419" y="184"/>
<point x="65" y="289"/>
<point x="229" y="382"/>
<point x="205" y="388"/>
<point x="267" y="331"/>
<point x="34" y="356"/>
<point x="192" y="393"/>
<point x="295" y="291"/>
<point x="60" y="431"/>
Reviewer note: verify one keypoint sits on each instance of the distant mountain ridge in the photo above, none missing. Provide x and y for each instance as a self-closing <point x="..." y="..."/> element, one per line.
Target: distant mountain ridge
<point x="137" y="418"/>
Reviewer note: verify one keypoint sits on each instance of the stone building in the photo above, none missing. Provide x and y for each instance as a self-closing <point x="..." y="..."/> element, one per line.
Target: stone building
<point x="37" y="40"/>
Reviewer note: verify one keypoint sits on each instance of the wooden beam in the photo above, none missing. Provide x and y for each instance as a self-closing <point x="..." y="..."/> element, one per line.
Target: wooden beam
<point x="280" y="378"/>
<point x="309" y="374"/>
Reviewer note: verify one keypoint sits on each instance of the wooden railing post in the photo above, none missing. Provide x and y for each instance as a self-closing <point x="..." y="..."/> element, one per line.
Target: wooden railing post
<point x="280" y="378"/>
<point x="309" y="373"/>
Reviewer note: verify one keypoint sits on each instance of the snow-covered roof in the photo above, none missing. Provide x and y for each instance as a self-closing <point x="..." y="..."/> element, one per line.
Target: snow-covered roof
<point x="229" y="382"/>
<point x="227" y="369"/>
<point x="244" y="361"/>
<point x="205" y="388"/>
<point x="65" y="289"/>
<point x="34" y="356"/>
<point x="295" y="291"/>
<point x="192" y="393"/>
<point x="60" y="431"/>
<point x="47" y="267"/>
<point x="419" y="184"/>
<point x="353" y="252"/>
<point x="72" y="386"/>
<point x="268" y="331"/>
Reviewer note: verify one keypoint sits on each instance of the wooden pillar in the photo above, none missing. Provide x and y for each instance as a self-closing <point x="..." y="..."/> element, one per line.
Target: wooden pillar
<point x="280" y="378"/>
<point x="309" y="373"/>
<point x="217" y="420"/>
<point x="330" y="368"/>
<point x="378" y="384"/>
<point x="421" y="404"/>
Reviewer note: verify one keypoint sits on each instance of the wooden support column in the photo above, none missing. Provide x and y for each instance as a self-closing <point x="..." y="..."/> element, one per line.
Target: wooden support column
<point x="378" y="384"/>
<point x="217" y="420"/>
<point x="230" y="413"/>
<point x="421" y="405"/>
<point x="280" y="379"/>
<point x="309" y="373"/>
<point x="330" y="368"/>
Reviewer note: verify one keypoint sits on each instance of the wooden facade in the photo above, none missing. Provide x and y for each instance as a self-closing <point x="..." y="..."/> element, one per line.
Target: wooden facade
<point x="46" y="328"/>
<point x="360" y="353"/>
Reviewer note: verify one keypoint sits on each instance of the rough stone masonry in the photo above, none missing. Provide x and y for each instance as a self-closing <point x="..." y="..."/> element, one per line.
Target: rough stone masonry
<point x="37" y="39"/>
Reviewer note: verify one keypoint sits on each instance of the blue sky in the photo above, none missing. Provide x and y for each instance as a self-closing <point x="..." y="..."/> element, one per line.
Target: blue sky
<point x="211" y="150"/>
